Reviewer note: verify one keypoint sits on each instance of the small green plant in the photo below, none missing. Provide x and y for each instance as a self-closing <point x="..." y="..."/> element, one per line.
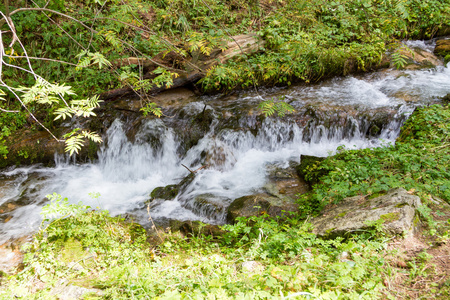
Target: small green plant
<point x="270" y="107"/>
<point x="151" y="108"/>
<point x="399" y="58"/>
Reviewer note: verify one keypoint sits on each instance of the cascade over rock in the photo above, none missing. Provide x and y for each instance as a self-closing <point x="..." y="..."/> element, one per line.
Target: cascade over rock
<point x="239" y="156"/>
<point x="277" y="199"/>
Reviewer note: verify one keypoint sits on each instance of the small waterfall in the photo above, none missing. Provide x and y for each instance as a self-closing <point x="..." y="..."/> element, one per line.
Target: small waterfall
<point x="231" y="146"/>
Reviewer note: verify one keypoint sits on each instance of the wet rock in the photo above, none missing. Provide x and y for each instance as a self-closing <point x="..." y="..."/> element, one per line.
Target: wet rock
<point x="167" y="192"/>
<point x="10" y="259"/>
<point x="156" y="234"/>
<point x="211" y="206"/>
<point x="285" y="182"/>
<point x="218" y="157"/>
<point x="195" y="228"/>
<point x="442" y="47"/>
<point x="247" y="206"/>
<point x="395" y="210"/>
<point x="192" y="123"/>
<point x="446" y="98"/>
<point x="277" y="199"/>
<point x="174" y="98"/>
<point x="419" y="58"/>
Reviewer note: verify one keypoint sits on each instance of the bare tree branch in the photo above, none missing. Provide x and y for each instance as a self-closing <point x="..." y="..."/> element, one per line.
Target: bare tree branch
<point x="8" y="111"/>
<point x="42" y="58"/>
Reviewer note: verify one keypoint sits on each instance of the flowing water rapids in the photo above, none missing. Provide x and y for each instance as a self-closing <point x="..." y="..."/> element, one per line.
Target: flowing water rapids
<point x="337" y="112"/>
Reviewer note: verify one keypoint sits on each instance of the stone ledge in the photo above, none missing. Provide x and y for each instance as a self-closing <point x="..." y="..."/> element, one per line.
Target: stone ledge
<point x="396" y="210"/>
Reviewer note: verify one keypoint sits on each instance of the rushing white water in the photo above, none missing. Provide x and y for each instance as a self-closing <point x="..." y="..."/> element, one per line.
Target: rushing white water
<point x="127" y="172"/>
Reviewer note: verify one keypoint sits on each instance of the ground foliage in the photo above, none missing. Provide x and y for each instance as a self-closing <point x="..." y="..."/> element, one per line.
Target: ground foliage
<point x="305" y="39"/>
<point x="88" y="248"/>
<point x="418" y="161"/>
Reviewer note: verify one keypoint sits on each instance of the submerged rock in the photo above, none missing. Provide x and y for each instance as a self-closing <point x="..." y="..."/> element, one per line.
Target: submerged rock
<point x="209" y="205"/>
<point x="395" y="211"/>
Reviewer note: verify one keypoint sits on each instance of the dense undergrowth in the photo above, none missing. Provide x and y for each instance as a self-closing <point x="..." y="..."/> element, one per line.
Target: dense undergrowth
<point x="83" y="42"/>
<point x="88" y="248"/>
<point x="306" y="40"/>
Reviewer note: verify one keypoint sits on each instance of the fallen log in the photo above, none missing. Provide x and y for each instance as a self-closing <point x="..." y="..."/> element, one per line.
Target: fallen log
<point x="190" y="70"/>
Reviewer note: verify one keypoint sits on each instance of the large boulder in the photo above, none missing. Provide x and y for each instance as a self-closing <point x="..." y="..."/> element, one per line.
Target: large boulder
<point x="396" y="211"/>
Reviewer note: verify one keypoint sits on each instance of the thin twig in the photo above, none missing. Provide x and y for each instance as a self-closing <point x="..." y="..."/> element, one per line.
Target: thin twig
<point x="154" y="226"/>
<point x="193" y="172"/>
<point x="41" y="58"/>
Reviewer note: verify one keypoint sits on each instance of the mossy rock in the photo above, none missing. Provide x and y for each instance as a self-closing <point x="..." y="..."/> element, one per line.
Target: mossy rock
<point x="260" y="204"/>
<point x="195" y="228"/>
<point x="446" y="99"/>
<point x="167" y="192"/>
<point x="442" y="47"/>
<point x="395" y="210"/>
<point x="307" y="164"/>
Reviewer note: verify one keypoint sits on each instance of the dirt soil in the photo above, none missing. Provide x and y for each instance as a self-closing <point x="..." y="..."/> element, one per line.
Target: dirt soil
<point x="420" y="263"/>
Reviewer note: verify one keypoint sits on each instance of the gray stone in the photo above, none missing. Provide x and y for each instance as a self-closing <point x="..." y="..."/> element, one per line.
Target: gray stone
<point x="73" y="292"/>
<point x="252" y="267"/>
<point x="396" y="210"/>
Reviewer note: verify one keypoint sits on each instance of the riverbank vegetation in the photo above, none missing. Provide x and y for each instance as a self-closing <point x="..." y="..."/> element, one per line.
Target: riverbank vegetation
<point x="88" y="251"/>
<point x="262" y="258"/>
<point x="97" y="46"/>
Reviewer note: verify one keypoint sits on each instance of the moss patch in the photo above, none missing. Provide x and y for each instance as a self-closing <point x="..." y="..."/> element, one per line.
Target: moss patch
<point x="390" y="217"/>
<point x="72" y="251"/>
<point x="342" y="214"/>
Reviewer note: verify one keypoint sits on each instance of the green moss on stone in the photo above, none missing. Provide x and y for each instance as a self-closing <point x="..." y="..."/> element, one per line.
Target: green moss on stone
<point x="72" y="251"/>
<point x="390" y="217"/>
<point x="342" y="214"/>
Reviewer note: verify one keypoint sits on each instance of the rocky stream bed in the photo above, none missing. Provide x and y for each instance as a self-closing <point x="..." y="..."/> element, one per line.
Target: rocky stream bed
<point x="214" y="158"/>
